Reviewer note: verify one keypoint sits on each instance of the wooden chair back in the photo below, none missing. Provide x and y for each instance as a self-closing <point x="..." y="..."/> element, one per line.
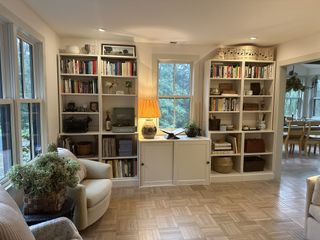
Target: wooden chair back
<point x="313" y="128"/>
<point x="296" y="129"/>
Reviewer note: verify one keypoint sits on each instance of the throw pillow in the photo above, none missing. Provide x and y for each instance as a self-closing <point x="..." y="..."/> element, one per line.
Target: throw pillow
<point x="316" y="193"/>
<point x="65" y="153"/>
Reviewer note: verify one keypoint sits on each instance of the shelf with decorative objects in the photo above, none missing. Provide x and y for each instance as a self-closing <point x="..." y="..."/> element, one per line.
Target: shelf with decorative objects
<point x="240" y="126"/>
<point x="92" y="86"/>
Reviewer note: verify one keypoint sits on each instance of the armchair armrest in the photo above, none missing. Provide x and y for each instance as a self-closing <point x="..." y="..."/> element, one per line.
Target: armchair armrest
<point x="310" y="188"/>
<point x="59" y="228"/>
<point x="96" y="170"/>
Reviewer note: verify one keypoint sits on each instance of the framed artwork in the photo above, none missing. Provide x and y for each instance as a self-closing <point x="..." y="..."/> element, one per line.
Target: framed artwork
<point x="118" y="50"/>
<point x="94" y="107"/>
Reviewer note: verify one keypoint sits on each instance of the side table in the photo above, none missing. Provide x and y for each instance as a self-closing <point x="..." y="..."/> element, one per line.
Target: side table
<point x="66" y="211"/>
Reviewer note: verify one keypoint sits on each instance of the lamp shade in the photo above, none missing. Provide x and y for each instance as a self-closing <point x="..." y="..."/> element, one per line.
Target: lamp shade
<point x="149" y="108"/>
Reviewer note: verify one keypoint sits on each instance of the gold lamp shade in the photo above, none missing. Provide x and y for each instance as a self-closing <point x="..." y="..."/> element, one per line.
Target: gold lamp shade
<point x="149" y="108"/>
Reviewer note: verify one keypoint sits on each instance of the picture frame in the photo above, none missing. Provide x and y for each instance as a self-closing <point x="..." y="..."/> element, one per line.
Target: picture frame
<point x="94" y="106"/>
<point x="118" y="50"/>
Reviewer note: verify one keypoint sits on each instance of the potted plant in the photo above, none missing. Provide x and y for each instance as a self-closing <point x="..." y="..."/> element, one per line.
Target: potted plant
<point x="192" y="130"/>
<point x="44" y="181"/>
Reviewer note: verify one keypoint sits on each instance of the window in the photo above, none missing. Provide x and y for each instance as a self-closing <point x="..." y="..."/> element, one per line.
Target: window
<point x="293" y="104"/>
<point x="21" y="107"/>
<point x="316" y="99"/>
<point x="174" y="92"/>
<point x="28" y="105"/>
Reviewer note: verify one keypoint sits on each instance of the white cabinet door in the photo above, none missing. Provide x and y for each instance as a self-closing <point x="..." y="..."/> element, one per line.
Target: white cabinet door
<point x="156" y="163"/>
<point x="191" y="162"/>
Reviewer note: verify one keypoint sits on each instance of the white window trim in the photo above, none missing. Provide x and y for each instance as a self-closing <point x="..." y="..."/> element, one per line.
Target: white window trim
<point x="177" y="61"/>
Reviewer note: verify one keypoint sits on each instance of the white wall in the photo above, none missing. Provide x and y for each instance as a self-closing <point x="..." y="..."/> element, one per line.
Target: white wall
<point x="18" y="12"/>
<point x="298" y="48"/>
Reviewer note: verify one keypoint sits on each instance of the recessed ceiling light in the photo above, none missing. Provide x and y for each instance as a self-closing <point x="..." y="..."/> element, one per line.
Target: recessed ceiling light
<point x="101" y="30"/>
<point x="253" y="38"/>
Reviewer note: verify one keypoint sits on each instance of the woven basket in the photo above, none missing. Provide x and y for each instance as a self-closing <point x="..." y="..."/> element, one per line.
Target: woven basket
<point x="84" y="148"/>
<point x="222" y="164"/>
<point x="45" y="204"/>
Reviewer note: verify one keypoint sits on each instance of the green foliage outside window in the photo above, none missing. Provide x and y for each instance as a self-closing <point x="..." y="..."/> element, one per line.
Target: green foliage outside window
<point x="174" y="87"/>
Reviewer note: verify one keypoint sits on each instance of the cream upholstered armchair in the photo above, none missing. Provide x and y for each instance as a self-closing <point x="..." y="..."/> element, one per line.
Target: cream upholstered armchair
<point x="312" y="224"/>
<point x="14" y="227"/>
<point x="92" y="194"/>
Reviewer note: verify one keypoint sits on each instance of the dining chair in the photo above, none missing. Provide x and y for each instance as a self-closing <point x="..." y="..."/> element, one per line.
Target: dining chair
<point x="295" y="135"/>
<point x="312" y="137"/>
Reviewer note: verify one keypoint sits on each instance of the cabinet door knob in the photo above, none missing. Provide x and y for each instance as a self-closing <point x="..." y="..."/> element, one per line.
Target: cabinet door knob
<point x="142" y="164"/>
<point x="208" y="162"/>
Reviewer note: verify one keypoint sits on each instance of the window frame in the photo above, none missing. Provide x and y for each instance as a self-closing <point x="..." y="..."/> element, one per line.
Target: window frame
<point x="314" y="98"/>
<point x="10" y="84"/>
<point x="175" y="97"/>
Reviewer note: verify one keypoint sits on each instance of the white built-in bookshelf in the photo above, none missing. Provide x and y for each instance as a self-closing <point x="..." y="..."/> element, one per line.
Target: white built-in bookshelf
<point x="111" y="82"/>
<point x="228" y="98"/>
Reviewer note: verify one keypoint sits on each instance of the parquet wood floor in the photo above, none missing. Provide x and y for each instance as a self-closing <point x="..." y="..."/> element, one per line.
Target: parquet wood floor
<point x="222" y="211"/>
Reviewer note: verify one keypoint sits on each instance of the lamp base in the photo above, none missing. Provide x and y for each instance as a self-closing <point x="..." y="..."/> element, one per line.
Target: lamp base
<point x="149" y="129"/>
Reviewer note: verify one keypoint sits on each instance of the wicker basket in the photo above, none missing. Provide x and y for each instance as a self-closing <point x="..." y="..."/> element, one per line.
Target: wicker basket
<point x="222" y="164"/>
<point x="84" y="148"/>
<point x="45" y="204"/>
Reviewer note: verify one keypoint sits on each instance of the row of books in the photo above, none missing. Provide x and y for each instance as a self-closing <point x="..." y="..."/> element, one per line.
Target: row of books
<point x="78" y="86"/>
<point x="76" y="66"/>
<point x="227" y="146"/>
<point x="258" y="71"/>
<point x="113" y="147"/>
<point x="224" y="104"/>
<point x="119" y="68"/>
<point x="123" y="167"/>
<point x="225" y="71"/>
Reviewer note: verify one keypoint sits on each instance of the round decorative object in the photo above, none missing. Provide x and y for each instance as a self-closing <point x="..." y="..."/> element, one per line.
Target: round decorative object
<point x="73" y="49"/>
<point x="149" y="129"/>
<point x="222" y="164"/>
<point x="192" y="132"/>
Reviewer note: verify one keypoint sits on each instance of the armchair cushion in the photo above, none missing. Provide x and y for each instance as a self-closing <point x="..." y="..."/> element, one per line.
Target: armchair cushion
<point x="96" y="170"/>
<point x="56" y="229"/>
<point x="65" y="153"/>
<point x="12" y="224"/>
<point x="96" y="190"/>
<point x="314" y="211"/>
<point x="316" y="193"/>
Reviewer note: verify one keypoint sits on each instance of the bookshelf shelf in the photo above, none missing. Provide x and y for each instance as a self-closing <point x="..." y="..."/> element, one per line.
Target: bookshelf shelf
<point x="224" y="111"/>
<point x="118" y="95"/>
<point x="79" y="75"/>
<point x="113" y="133"/>
<point x="239" y="76"/>
<point x="118" y="57"/>
<point x="79" y="134"/>
<point x="120" y="157"/>
<point x="118" y="76"/>
<point x="80" y="113"/>
<point x="258" y="96"/>
<point x="79" y="94"/>
<point x="83" y="84"/>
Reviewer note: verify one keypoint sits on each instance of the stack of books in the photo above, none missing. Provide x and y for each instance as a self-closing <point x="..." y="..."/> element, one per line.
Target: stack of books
<point x="109" y="147"/>
<point x="224" y="104"/>
<point x="119" y="68"/>
<point x="258" y="71"/>
<point x="123" y="167"/>
<point x="225" y="71"/>
<point x="78" y="86"/>
<point x="125" y="147"/>
<point x="74" y="66"/>
<point x="222" y="148"/>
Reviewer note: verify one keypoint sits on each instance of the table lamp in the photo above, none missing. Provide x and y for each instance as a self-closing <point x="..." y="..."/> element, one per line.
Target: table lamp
<point x="149" y="108"/>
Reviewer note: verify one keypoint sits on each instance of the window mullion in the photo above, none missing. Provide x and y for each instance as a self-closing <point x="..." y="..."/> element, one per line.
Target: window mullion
<point x="31" y="131"/>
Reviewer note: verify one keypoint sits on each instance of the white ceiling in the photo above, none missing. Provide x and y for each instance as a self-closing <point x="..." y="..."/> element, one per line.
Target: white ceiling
<point x="187" y="21"/>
